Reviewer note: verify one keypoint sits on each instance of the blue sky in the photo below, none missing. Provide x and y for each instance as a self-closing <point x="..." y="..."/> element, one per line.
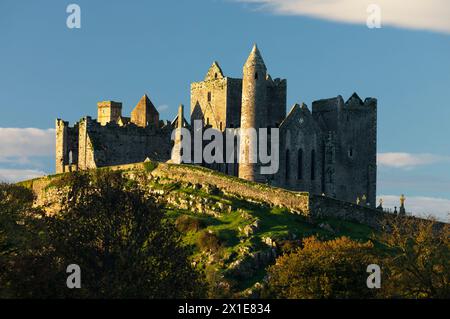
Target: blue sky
<point x="127" y="48"/>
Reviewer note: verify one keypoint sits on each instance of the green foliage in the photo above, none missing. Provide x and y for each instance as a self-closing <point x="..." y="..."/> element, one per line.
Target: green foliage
<point x="328" y="269"/>
<point x="15" y="211"/>
<point x="127" y="246"/>
<point x="208" y="241"/>
<point x="116" y="234"/>
<point x="150" y="166"/>
<point x="418" y="259"/>
<point x="186" y="223"/>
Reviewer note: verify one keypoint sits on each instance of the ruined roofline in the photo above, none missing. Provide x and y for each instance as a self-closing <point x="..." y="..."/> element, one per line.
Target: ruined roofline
<point x="333" y="103"/>
<point x="302" y="108"/>
<point x="113" y="125"/>
<point x="368" y="101"/>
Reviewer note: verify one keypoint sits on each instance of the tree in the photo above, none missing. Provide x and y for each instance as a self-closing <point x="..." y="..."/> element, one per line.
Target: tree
<point x="15" y="211"/>
<point x="328" y="269"/>
<point x="418" y="264"/>
<point x="119" y="238"/>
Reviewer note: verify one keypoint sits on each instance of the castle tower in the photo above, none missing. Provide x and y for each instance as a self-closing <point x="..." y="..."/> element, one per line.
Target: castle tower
<point x="253" y="114"/>
<point x="145" y="113"/>
<point x="176" y="156"/>
<point x="109" y="111"/>
<point x="216" y="100"/>
<point x="61" y="145"/>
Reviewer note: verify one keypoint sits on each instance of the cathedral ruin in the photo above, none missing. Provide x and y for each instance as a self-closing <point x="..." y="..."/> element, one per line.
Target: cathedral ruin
<point x="330" y="149"/>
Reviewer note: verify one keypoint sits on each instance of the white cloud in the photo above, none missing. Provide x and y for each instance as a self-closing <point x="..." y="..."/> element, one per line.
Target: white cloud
<point x="433" y="15"/>
<point x="409" y="160"/>
<point x="163" y="108"/>
<point x="19" y="144"/>
<point x="420" y="206"/>
<point x="17" y="175"/>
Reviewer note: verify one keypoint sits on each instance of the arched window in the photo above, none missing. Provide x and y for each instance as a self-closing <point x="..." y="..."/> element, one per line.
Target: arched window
<point x="209" y="96"/>
<point x="215" y="75"/>
<point x="300" y="164"/>
<point x="313" y="165"/>
<point x="287" y="162"/>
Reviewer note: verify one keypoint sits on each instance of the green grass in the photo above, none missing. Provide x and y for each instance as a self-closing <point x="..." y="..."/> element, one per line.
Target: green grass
<point x="276" y="223"/>
<point x="150" y="166"/>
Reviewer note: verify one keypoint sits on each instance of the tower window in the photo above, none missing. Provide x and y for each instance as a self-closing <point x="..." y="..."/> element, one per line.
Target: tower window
<point x="300" y="164"/>
<point x="209" y="96"/>
<point x="215" y="75"/>
<point x="256" y="75"/>
<point x="313" y="165"/>
<point x="287" y="165"/>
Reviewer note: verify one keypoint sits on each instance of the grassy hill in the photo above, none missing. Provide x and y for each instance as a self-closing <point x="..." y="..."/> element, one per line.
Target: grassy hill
<point x="234" y="228"/>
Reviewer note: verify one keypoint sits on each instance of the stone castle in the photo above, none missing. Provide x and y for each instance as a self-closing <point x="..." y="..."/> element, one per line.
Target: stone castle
<point x="330" y="150"/>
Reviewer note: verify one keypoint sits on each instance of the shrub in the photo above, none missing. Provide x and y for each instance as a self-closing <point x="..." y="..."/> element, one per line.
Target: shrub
<point x="329" y="269"/>
<point x="186" y="223"/>
<point x="208" y="241"/>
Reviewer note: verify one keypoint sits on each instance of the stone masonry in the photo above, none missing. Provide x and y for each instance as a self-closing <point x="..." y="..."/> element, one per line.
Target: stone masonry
<point x="329" y="150"/>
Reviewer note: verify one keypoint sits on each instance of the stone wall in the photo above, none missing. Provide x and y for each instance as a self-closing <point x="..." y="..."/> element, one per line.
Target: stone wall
<point x="294" y="201"/>
<point x="114" y="145"/>
<point x="322" y="207"/>
<point x="308" y="205"/>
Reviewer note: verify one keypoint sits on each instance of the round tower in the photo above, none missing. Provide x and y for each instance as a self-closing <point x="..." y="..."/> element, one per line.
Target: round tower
<point x="253" y="114"/>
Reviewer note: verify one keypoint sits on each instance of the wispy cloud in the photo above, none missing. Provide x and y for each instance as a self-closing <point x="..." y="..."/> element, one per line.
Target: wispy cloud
<point x="22" y="151"/>
<point x="17" y="175"/>
<point x="20" y="144"/>
<point x="409" y="160"/>
<point x="421" y="206"/>
<point x="163" y="107"/>
<point x="432" y="15"/>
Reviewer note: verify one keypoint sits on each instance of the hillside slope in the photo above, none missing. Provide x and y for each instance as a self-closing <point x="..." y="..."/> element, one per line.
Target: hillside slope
<point x="235" y="228"/>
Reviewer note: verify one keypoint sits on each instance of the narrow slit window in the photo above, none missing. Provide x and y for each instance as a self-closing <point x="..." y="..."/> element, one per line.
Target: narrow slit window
<point x="300" y="164"/>
<point x="313" y="165"/>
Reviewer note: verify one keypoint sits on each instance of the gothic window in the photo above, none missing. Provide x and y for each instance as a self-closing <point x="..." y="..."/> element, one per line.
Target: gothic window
<point x="313" y="165"/>
<point x="209" y="96"/>
<point x="287" y="165"/>
<point x="300" y="164"/>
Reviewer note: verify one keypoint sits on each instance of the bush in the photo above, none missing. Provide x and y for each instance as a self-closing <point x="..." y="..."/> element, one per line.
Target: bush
<point x="418" y="263"/>
<point x="208" y="241"/>
<point x="329" y="269"/>
<point x="186" y="223"/>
